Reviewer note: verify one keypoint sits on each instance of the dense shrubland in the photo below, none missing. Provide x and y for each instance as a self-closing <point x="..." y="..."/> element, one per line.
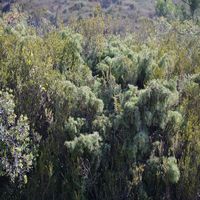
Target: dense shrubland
<point x="85" y="114"/>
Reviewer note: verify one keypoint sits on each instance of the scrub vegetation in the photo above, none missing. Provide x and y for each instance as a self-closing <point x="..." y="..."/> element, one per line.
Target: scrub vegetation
<point x="93" y="111"/>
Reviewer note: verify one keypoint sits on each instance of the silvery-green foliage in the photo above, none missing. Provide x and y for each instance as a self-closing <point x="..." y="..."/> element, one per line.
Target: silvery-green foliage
<point x="73" y="126"/>
<point x="147" y="63"/>
<point x="165" y="8"/>
<point x="102" y="124"/>
<point x="164" y="168"/>
<point x="88" y="101"/>
<point x="18" y="144"/>
<point x="151" y="105"/>
<point x="90" y="143"/>
<point x="119" y="60"/>
<point x="155" y="102"/>
<point x="171" y="170"/>
<point x="68" y="99"/>
<point x="150" y="117"/>
<point x="141" y="142"/>
<point x="168" y="62"/>
<point x="129" y="65"/>
<point x="174" y="120"/>
<point x="196" y="78"/>
<point x="70" y="52"/>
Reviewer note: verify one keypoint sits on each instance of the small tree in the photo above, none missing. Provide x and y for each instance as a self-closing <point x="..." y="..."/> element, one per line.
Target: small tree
<point x="165" y="8"/>
<point x="193" y="5"/>
<point x="18" y="144"/>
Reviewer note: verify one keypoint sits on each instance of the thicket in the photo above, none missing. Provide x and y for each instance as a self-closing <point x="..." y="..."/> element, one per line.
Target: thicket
<point x="185" y="9"/>
<point x="85" y="114"/>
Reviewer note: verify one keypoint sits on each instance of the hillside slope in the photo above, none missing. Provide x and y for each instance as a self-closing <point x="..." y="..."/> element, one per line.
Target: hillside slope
<point x="65" y="9"/>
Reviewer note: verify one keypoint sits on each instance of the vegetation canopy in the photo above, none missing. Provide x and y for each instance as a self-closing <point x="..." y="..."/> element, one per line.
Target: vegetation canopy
<point x="99" y="106"/>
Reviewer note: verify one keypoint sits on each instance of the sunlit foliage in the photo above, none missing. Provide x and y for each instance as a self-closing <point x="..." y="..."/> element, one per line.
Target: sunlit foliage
<point x="86" y="114"/>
